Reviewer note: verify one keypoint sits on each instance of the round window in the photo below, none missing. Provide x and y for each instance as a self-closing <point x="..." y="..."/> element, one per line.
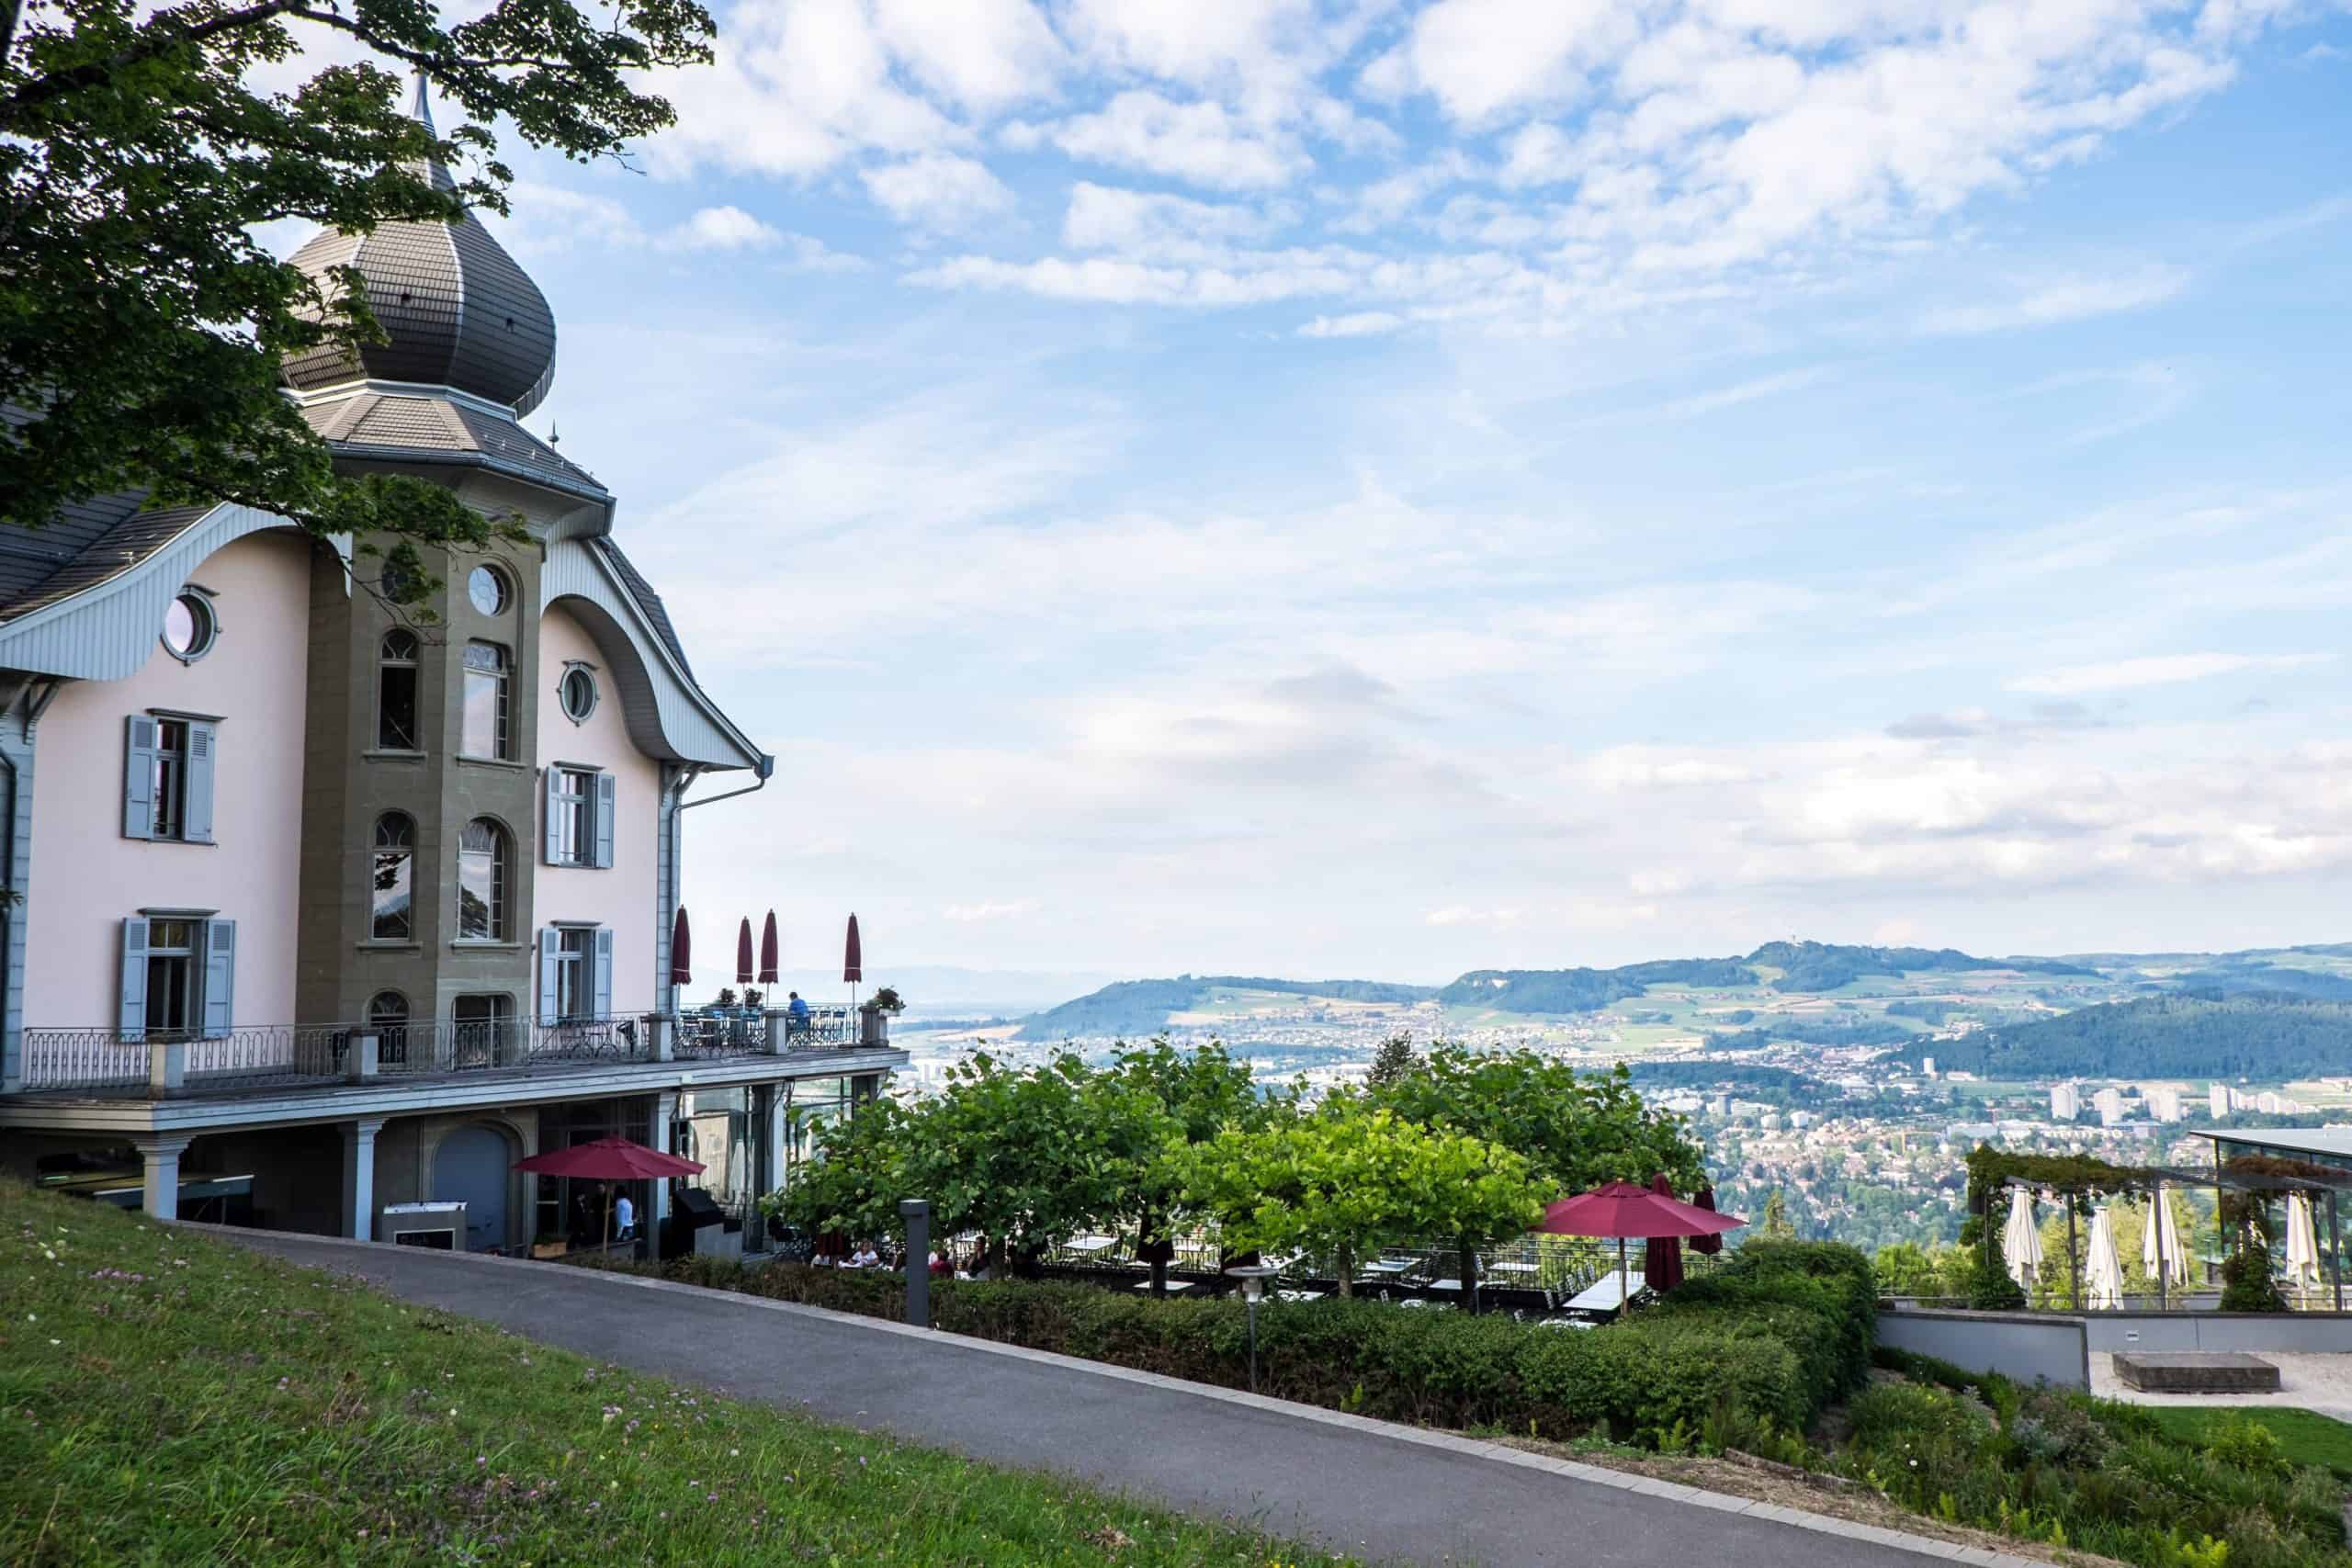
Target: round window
<point x="189" y="628"/>
<point x="487" y="588"/>
<point x="579" y="694"/>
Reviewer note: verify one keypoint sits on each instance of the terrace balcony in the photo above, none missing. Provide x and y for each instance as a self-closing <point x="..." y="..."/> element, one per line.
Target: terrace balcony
<point x="107" y="1075"/>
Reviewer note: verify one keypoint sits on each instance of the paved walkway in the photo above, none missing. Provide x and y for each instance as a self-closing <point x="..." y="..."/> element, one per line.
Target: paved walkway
<point x="1386" y="1493"/>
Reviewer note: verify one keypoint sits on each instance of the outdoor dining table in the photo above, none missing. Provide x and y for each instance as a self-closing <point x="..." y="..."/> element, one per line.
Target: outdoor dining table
<point x="1175" y="1287"/>
<point x="1092" y="1244"/>
<point x="1390" y="1266"/>
<point x="1514" y="1269"/>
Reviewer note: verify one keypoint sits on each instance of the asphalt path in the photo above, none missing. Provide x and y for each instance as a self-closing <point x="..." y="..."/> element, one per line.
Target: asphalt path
<point x="1386" y="1493"/>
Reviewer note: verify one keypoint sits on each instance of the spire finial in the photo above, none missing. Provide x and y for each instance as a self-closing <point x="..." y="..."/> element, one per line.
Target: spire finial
<point x="419" y="108"/>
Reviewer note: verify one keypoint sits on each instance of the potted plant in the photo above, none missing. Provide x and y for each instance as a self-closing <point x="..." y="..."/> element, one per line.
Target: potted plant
<point x="886" y="999"/>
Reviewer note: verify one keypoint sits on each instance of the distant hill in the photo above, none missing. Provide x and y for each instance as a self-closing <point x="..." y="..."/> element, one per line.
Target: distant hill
<point x="2183" y="1034"/>
<point x="1586" y="991"/>
<point x="1137" y="1009"/>
<point x="1824" y="967"/>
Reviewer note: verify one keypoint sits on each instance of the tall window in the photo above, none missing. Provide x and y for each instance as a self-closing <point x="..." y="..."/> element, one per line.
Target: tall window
<point x="484" y="862"/>
<point x="392" y="915"/>
<point x="575" y="803"/>
<point x="575" y="958"/>
<point x="486" y="729"/>
<point x="387" y="1022"/>
<point x="171" y="979"/>
<point x="396" y="727"/>
<point x="170" y="789"/>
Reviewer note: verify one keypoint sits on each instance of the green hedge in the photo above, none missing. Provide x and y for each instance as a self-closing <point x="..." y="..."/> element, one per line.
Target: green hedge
<point x="1785" y="1328"/>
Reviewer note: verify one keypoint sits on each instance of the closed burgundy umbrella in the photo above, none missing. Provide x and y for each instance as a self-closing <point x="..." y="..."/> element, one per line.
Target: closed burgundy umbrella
<point x="768" y="952"/>
<point x="1622" y="1209"/>
<point x="609" y="1159"/>
<point x="852" y="958"/>
<point x="744" y="952"/>
<point x="1662" y="1255"/>
<point x="1709" y="1244"/>
<point x="681" y="949"/>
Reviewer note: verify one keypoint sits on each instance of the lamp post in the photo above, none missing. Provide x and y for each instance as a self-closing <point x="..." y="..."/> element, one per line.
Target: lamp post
<point x="1253" y="1278"/>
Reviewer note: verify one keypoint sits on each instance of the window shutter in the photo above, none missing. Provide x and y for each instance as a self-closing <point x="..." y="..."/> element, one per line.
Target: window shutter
<point x="550" y="943"/>
<point x="131" y="1018"/>
<point x="604" y="960"/>
<point x="608" y="793"/>
<point x="552" y="835"/>
<point x="203" y="741"/>
<point x="139" y="783"/>
<point x="219" y="977"/>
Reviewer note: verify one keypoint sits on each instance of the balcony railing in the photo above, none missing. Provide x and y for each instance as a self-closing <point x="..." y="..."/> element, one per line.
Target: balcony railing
<point x="262" y="1054"/>
<point x="115" y="1064"/>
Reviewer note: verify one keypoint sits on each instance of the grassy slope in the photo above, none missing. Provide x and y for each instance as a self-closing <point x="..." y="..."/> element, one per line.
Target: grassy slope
<point x="168" y="1399"/>
<point x="2308" y="1436"/>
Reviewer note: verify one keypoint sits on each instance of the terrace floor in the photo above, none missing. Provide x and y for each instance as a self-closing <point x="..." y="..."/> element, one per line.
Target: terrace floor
<point x="1384" y="1493"/>
<point x="2308" y="1379"/>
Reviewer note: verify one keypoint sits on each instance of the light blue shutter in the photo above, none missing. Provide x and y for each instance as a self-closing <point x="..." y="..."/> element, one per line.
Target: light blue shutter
<point x="196" y="826"/>
<point x="603" y="961"/>
<point x="552" y="835"/>
<point x="219" y="977"/>
<point x="139" y="781"/>
<point x="607" y="795"/>
<point x="550" y="943"/>
<point x="130" y="1018"/>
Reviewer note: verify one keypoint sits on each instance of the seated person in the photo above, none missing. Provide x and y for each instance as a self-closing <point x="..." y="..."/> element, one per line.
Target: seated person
<point x="865" y="1256"/>
<point x="796" y="1019"/>
<point x="939" y="1264"/>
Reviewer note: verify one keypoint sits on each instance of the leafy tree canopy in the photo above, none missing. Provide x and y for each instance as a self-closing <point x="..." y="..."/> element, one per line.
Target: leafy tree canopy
<point x="139" y="321"/>
<point x="1575" y="1130"/>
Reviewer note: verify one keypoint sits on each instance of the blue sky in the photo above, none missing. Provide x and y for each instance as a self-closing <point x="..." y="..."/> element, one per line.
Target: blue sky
<point x="1383" y="489"/>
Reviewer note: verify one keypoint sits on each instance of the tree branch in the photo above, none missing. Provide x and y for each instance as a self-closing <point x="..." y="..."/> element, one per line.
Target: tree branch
<point x="153" y="40"/>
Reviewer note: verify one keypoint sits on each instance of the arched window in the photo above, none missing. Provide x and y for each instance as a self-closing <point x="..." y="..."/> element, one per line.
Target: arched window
<point x="396" y="727"/>
<point x="485" y="860"/>
<point x="487" y="731"/>
<point x="392" y="915"/>
<point x="387" y="1022"/>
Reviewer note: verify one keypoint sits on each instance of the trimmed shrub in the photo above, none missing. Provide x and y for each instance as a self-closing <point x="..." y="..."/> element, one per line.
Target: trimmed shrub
<point x="1774" y="1336"/>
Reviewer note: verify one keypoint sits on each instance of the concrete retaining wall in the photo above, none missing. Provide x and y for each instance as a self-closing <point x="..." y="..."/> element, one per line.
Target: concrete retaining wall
<point x="2027" y="1347"/>
<point x="2254" y="1331"/>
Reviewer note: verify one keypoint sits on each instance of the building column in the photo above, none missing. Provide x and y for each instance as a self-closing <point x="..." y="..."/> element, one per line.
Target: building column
<point x="779" y="1108"/>
<point x="657" y="1204"/>
<point x="359" y="1178"/>
<point x="160" y="1180"/>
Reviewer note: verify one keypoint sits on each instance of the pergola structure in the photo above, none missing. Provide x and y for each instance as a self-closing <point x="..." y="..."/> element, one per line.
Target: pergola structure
<point x="2270" y="1163"/>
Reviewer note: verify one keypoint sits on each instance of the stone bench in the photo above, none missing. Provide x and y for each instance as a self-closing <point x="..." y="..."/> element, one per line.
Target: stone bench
<point x="2195" y="1372"/>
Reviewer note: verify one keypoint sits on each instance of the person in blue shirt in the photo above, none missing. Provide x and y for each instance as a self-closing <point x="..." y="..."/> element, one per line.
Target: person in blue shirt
<point x="797" y="1020"/>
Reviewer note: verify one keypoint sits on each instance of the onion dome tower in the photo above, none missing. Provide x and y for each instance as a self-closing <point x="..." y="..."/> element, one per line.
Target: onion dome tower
<point x="457" y="312"/>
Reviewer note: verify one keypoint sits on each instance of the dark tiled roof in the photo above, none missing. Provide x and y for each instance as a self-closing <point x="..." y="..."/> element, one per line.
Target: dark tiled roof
<point x="648" y="601"/>
<point x="109" y="537"/>
<point x="394" y="427"/>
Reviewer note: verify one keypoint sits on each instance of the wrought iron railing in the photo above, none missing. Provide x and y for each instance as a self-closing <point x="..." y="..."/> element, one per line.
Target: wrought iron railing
<point x="736" y="1033"/>
<point x="101" y="1058"/>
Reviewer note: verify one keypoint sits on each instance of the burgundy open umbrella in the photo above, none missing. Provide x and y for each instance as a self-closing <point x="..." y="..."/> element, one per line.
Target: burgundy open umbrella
<point x="1705" y="1199"/>
<point x="768" y="952"/>
<point x="744" y="952"/>
<point x="1662" y="1255"/>
<point x="1620" y="1208"/>
<point x="852" y="958"/>
<point x="610" y="1159"/>
<point x="681" y="949"/>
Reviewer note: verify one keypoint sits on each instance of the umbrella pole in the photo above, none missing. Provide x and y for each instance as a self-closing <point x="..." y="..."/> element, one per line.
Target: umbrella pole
<point x="2157" y="1220"/>
<point x="2335" y="1250"/>
<point x="2073" y="1258"/>
<point x="1624" y="1285"/>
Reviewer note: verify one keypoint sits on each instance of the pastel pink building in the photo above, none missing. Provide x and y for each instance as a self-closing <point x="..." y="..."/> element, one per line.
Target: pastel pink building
<point x="317" y="912"/>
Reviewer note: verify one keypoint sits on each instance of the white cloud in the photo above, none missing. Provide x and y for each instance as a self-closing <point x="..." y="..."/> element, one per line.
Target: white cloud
<point x="724" y="228"/>
<point x="1155" y="224"/>
<point x="1202" y="141"/>
<point x="1480" y="57"/>
<point x="2064" y="300"/>
<point x="990" y="910"/>
<point x="982" y="54"/>
<point x="938" y="192"/>
<point x="2163" y="669"/>
<point x="1748" y="391"/>
<point x="1358" y="323"/>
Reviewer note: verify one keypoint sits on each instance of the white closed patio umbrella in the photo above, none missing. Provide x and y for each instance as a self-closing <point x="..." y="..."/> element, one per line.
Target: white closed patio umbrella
<point x="2021" y="1240"/>
<point x="2160" y="1252"/>
<point x="2303" y="1243"/>
<point x="2103" y="1278"/>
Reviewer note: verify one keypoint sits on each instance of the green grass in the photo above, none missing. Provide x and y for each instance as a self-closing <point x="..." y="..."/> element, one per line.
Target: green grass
<point x="2307" y="1437"/>
<point x="166" y="1399"/>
